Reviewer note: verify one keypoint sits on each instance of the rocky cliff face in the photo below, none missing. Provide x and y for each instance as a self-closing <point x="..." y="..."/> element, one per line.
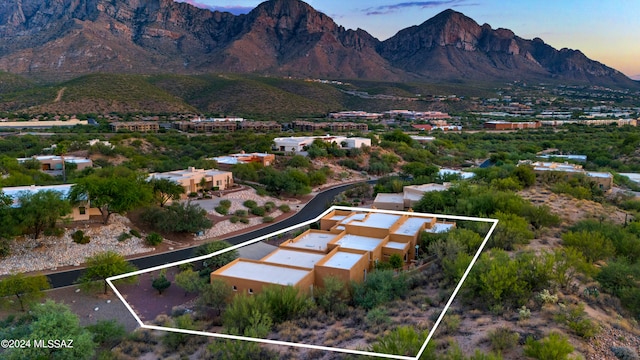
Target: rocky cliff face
<point x="452" y="46"/>
<point x="64" y="38"/>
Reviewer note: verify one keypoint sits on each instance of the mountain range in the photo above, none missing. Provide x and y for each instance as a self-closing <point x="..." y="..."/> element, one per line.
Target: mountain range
<point x="61" y="39"/>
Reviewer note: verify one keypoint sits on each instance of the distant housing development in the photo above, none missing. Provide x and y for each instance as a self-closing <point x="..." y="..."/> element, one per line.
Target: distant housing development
<point x="509" y="125"/>
<point x="348" y="245"/>
<point x="355" y="115"/>
<point x="193" y="179"/>
<point x="418" y="115"/>
<point x="140" y="126"/>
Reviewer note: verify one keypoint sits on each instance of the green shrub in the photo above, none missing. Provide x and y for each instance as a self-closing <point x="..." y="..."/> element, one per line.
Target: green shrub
<point x="244" y="220"/>
<point x="258" y="211"/>
<point x="502" y="339"/>
<point x="269" y="206"/>
<point x="554" y="346"/>
<point x="153" y="239"/>
<point x="80" y="238"/>
<point x="225" y="203"/>
<point x="250" y="204"/>
<point x="234" y="219"/>
<point x="284" y="208"/>
<point x="124" y="236"/>
<point x="267" y="219"/>
<point x="381" y="286"/>
<point x="221" y="210"/>
<point x="576" y="319"/>
<point x="135" y="233"/>
<point x="241" y="212"/>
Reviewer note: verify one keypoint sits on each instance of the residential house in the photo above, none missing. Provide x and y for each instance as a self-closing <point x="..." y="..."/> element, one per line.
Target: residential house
<point x="348" y="245"/>
<point x="80" y="212"/>
<point x="56" y="163"/>
<point x="193" y="179"/>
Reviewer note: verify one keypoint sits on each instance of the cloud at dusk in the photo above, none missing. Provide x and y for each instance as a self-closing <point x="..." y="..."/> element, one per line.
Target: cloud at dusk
<point x="234" y="9"/>
<point x="391" y="8"/>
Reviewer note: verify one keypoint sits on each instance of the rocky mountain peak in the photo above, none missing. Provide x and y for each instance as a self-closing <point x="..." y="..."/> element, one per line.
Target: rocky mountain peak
<point x="290" y="16"/>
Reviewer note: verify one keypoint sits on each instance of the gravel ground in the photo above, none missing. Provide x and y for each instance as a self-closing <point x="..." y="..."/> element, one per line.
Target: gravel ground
<point x="50" y="252"/>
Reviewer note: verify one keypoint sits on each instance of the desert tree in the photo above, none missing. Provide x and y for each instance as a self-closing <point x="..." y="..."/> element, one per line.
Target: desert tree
<point x="102" y="266"/>
<point x="26" y="289"/>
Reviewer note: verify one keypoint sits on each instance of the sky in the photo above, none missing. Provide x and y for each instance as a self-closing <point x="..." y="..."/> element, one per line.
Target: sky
<point x="604" y="30"/>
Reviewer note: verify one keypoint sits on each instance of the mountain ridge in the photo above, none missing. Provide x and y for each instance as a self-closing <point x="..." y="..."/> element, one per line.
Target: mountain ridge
<point x="65" y="38"/>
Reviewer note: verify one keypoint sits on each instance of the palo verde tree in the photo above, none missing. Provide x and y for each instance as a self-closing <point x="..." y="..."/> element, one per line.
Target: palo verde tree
<point x="113" y="191"/>
<point x="41" y="210"/>
<point x="102" y="266"/>
<point x="26" y="289"/>
<point x="165" y="190"/>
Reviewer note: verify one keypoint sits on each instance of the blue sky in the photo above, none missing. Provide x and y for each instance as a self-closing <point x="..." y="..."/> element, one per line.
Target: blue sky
<point x="605" y="30"/>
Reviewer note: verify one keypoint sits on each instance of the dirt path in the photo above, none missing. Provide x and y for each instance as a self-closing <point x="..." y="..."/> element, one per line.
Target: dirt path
<point x="60" y="93"/>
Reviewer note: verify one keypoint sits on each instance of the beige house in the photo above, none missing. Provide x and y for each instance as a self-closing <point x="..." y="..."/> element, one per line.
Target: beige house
<point x="348" y="245"/>
<point x="193" y="179"/>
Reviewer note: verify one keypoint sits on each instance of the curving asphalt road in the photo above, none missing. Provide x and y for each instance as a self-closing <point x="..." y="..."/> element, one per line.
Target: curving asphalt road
<point x="314" y="208"/>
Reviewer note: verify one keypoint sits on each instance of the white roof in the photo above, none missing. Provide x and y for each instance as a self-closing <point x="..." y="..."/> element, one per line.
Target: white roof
<point x="358" y="242"/>
<point x="632" y="176"/>
<point x="395" y="198"/>
<point x="605" y="175"/>
<point x="14" y="192"/>
<point x="396" y="245"/>
<point x="313" y="241"/>
<point x="69" y="159"/>
<point x="440" y="228"/>
<point x="273" y="274"/>
<point x="411" y="226"/>
<point x="337" y="217"/>
<point x="293" y="258"/>
<point x="343" y="260"/>
<point x="377" y="220"/>
<point x="463" y="175"/>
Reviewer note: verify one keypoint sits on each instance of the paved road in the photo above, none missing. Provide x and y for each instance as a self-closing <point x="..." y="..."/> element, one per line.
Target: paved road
<point x="314" y="208"/>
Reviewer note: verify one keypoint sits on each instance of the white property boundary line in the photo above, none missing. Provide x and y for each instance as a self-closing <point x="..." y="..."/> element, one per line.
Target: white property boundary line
<point x="494" y="223"/>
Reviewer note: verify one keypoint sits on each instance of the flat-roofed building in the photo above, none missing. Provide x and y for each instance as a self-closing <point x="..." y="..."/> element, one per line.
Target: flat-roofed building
<point x="344" y="264"/>
<point x="294" y="257"/>
<point x="389" y="201"/>
<point x="139" y="126"/>
<point x="250" y="276"/>
<point x="80" y="212"/>
<point x="603" y="179"/>
<point x="244" y="158"/>
<point x="260" y="126"/>
<point x="55" y="162"/>
<point x="298" y="143"/>
<point x="312" y="240"/>
<point x="511" y="125"/>
<point x="193" y="179"/>
<point x="348" y="245"/>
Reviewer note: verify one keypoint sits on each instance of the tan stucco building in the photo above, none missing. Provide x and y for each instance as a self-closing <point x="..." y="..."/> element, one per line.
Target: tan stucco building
<point x="348" y="245"/>
<point x="192" y="179"/>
